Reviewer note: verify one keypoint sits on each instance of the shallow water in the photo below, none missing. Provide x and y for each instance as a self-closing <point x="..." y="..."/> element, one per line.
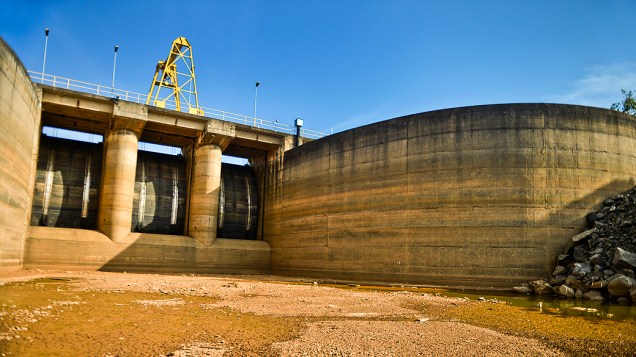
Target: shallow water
<point x="555" y="305"/>
<point x="547" y="305"/>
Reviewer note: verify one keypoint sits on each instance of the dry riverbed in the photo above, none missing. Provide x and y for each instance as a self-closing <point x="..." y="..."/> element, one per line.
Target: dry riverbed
<point x="116" y="314"/>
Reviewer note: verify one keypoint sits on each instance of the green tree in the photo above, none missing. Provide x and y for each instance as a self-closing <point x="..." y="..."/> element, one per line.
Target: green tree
<point x="627" y="105"/>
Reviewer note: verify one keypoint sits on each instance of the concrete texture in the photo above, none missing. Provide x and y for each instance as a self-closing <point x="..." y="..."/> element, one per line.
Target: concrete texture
<point x="72" y="249"/>
<point x="477" y="196"/>
<point x="118" y="184"/>
<point x="19" y="134"/>
<point x="204" y="194"/>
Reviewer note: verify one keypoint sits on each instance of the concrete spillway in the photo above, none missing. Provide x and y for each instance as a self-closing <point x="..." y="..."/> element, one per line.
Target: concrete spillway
<point x="67" y="182"/>
<point x="112" y="206"/>
<point x="238" y="203"/>
<point x="159" y="201"/>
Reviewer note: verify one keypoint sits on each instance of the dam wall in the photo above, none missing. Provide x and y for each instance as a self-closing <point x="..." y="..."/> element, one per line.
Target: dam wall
<point x="476" y="196"/>
<point x="67" y="204"/>
<point x="483" y="196"/>
<point x="19" y="129"/>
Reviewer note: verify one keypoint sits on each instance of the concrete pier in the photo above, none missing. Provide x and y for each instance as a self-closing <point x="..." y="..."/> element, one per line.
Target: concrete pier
<point x="118" y="184"/>
<point x="204" y="194"/>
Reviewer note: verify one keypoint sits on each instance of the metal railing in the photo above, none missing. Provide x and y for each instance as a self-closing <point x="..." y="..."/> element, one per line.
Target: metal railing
<point x="108" y="91"/>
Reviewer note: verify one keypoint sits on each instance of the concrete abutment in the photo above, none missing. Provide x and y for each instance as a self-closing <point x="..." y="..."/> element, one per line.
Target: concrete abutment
<point x="19" y="129"/>
<point x="476" y="196"/>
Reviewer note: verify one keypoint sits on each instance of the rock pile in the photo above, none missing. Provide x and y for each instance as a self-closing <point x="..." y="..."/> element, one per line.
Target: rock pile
<point x="600" y="262"/>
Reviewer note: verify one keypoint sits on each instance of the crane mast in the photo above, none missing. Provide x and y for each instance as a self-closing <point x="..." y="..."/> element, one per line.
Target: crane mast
<point x="176" y="86"/>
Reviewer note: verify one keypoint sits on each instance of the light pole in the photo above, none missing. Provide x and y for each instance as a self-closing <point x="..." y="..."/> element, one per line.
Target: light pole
<point x="46" y="43"/>
<point x="112" y="86"/>
<point x="255" y="97"/>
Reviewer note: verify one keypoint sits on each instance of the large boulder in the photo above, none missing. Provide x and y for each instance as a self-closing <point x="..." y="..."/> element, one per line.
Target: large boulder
<point x="578" y="294"/>
<point x="581" y="269"/>
<point x="579" y="253"/>
<point x="623" y="260"/>
<point x="566" y="291"/>
<point x="560" y="270"/>
<point x="594" y="295"/>
<point x="558" y="280"/>
<point x="620" y="285"/>
<point x="596" y="259"/>
<point x="524" y="288"/>
<point x="541" y="287"/>
<point x="573" y="282"/>
<point x="584" y="235"/>
<point x="628" y="272"/>
<point x="599" y="284"/>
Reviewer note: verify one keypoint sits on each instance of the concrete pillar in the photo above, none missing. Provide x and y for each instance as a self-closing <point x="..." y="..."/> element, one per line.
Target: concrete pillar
<point x="204" y="194"/>
<point x="118" y="183"/>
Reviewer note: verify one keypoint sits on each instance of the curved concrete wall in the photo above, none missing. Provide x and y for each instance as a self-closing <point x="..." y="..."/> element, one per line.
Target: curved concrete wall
<point x="19" y="132"/>
<point x="476" y="196"/>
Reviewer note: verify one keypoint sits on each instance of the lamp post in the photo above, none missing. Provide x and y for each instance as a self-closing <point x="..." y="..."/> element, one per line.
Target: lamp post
<point x="112" y="86"/>
<point x="255" y="97"/>
<point x="46" y="43"/>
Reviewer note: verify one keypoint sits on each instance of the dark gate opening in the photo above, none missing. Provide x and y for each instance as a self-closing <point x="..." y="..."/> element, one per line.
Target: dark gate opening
<point x="159" y="200"/>
<point x="68" y="177"/>
<point x="238" y="203"/>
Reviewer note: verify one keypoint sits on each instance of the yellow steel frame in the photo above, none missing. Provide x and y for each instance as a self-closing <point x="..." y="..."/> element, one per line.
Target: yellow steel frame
<point x="181" y="86"/>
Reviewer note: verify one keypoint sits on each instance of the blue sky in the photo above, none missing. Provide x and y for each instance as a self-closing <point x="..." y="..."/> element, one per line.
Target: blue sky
<point x="342" y="64"/>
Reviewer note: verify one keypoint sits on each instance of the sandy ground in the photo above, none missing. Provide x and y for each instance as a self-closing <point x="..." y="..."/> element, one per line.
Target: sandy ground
<point x="245" y="315"/>
<point x="118" y="314"/>
<point x="355" y="323"/>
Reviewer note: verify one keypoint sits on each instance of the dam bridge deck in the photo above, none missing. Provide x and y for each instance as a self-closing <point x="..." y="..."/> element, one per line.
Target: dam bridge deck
<point x="135" y="97"/>
<point x="93" y="114"/>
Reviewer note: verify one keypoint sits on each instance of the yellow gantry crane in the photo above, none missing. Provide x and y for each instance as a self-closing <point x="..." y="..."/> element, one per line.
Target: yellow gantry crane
<point x="181" y="87"/>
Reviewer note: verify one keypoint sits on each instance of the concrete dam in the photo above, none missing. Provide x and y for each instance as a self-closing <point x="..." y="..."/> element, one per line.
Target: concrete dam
<point x="482" y="196"/>
<point x="67" y="184"/>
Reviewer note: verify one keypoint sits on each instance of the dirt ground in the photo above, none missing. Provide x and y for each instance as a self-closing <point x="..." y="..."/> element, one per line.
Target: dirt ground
<point x="118" y="314"/>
